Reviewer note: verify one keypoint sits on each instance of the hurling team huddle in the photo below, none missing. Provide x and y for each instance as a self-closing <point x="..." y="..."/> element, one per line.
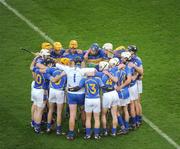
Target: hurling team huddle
<point x="98" y="89"/>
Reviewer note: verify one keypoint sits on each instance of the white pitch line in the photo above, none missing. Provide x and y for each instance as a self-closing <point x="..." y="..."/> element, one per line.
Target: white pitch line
<point x="35" y="28"/>
<point x="28" y="22"/>
<point x="161" y="133"/>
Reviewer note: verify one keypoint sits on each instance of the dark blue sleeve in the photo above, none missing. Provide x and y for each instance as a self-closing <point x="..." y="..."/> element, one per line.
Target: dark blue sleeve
<point x="102" y="54"/>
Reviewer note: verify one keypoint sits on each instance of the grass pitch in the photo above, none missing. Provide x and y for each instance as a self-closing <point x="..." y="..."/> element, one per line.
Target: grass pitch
<point x="152" y="25"/>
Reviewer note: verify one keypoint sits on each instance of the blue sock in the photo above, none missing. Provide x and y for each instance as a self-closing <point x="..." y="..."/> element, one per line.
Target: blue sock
<point x="113" y="130"/>
<point x="96" y="131"/>
<point x="49" y="125"/>
<point x="33" y="122"/>
<point x="126" y="123"/>
<point x="133" y="120"/>
<point x="140" y="118"/>
<point x="88" y="131"/>
<point x="38" y="127"/>
<point x="104" y="129"/>
<point x="120" y="121"/>
<point x="58" y="128"/>
<point x="137" y="118"/>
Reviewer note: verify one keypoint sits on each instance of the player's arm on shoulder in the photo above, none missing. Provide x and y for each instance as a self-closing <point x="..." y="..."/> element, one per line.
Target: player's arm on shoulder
<point x="134" y="77"/>
<point x="139" y="69"/>
<point x="57" y="77"/>
<point x="113" y="78"/>
<point x="127" y="82"/>
<point x="86" y="54"/>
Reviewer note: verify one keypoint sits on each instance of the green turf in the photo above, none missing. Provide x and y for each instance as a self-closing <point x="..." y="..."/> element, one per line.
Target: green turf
<point x="152" y="25"/>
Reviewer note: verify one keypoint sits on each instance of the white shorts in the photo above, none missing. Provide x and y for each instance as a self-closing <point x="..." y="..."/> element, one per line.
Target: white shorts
<point x="56" y="96"/>
<point x="92" y="105"/>
<point x="133" y="92"/>
<point x="32" y="86"/>
<point x="110" y="99"/>
<point x="123" y="102"/>
<point x="37" y="96"/>
<point x="139" y="86"/>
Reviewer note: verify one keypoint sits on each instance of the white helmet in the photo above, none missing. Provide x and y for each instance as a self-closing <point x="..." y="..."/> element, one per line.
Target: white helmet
<point x="108" y="46"/>
<point x="113" y="62"/>
<point x="44" y="53"/>
<point x="126" y="54"/>
<point x="103" y="65"/>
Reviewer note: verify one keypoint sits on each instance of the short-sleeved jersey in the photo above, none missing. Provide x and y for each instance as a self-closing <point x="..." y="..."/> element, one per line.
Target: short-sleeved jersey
<point x="61" y="84"/>
<point x="74" y="76"/>
<point x="106" y="80"/>
<point x="40" y="79"/>
<point x="92" y="86"/>
<point x="55" y="55"/>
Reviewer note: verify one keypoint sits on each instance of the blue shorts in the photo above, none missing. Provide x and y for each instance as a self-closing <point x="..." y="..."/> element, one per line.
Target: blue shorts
<point x="124" y="93"/>
<point x="76" y="98"/>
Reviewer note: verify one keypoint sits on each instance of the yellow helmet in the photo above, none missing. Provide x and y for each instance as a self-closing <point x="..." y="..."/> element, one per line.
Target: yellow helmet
<point x="73" y="44"/>
<point x="57" y="46"/>
<point x="46" y="45"/>
<point x="120" y="48"/>
<point x="65" y="61"/>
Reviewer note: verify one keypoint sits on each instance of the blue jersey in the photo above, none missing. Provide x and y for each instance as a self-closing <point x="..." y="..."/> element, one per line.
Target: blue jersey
<point x="123" y="74"/>
<point x="71" y="56"/>
<point x="53" y="54"/>
<point x="61" y="84"/>
<point x="138" y="62"/>
<point x="106" y="80"/>
<point x="99" y="55"/>
<point x="92" y="86"/>
<point x="93" y="60"/>
<point x="40" y="79"/>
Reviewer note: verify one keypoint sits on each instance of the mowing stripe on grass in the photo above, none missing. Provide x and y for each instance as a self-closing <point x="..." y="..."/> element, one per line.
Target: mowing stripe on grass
<point x="35" y="28"/>
<point x="28" y="22"/>
<point x="160" y="132"/>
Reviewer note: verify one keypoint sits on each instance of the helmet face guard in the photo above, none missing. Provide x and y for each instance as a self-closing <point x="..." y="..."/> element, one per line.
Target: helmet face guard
<point x="94" y="48"/>
<point x="103" y="65"/>
<point x="77" y="61"/>
<point x="132" y="48"/>
<point x="125" y="56"/>
<point x="114" y="62"/>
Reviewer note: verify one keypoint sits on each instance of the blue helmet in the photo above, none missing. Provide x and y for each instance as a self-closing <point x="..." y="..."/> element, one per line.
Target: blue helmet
<point x="77" y="60"/>
<point x="95" y="47"/>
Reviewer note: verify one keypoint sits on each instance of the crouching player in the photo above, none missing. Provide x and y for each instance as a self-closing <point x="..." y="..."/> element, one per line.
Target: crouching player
<point x="92" y="103"/>
<point x="56" y="96"/>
